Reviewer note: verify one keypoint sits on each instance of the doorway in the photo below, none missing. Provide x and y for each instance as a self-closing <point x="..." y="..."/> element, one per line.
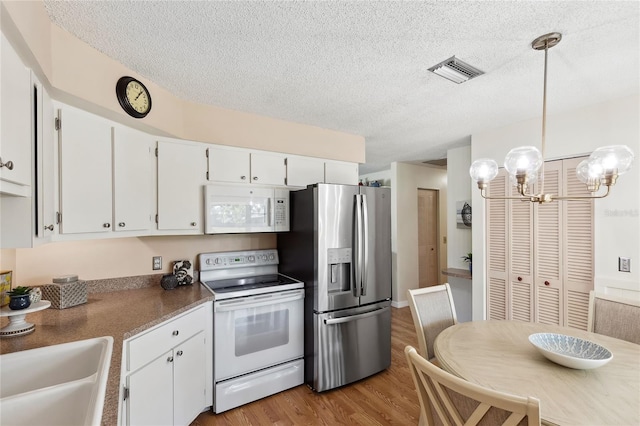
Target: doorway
<point x="428" y="252"/>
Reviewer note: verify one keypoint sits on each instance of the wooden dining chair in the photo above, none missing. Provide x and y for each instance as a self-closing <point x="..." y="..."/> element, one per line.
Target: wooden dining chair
<point x="614" y="317"/>
<point x="449" y="400"/>
<point x="432" y="310"/>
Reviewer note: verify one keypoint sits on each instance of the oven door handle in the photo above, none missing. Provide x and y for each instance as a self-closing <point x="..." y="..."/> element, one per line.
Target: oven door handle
<point x="253" y="303"/>
<point x="350" y="318"/>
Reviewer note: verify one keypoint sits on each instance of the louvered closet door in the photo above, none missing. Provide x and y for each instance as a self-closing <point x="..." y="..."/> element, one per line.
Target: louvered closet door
<point x="520" y="293"/>
<point x="548" y="249"/>
<point x="497" y="253"/>
<point x="577" y="223"/>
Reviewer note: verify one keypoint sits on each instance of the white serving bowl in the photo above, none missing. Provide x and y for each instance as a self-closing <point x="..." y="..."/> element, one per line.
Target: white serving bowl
<point x="570" y="351"/>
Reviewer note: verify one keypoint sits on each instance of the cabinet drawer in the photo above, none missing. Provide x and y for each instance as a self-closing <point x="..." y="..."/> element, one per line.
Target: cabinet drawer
<point x="146" y="347"/>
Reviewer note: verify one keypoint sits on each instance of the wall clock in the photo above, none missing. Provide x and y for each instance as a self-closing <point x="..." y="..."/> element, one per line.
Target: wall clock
<point x="133" y="96"/>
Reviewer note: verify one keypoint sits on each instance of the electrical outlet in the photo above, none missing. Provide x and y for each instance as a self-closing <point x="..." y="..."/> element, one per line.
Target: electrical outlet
<point x="157" y="263"/>
<point x="624" y="264"/>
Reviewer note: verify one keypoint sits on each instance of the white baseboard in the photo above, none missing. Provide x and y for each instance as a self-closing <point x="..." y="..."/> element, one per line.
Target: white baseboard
<point x="401" y="304"/>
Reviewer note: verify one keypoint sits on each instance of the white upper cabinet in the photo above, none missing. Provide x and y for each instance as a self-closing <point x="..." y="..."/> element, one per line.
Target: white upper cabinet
<point x="268" y="168"/>
<point x="341" y="172"/>
<point x="133" y="183"/>
<point x="85" y="172"/>
<point x="237" y="165"/>
<point x="181" y="175"/>
<point x="15" y="123"/>
<point x="46" y="174"/>
<point x="228" y="165"/>
<point x="303" y="171"/>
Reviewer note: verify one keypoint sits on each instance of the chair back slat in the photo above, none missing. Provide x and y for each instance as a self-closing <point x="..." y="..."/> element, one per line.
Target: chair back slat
<point x="614" y="317"/>
<point x="449" y="400"/>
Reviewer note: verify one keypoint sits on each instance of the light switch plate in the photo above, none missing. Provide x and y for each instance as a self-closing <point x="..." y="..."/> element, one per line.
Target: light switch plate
<point x="624" y="264"/>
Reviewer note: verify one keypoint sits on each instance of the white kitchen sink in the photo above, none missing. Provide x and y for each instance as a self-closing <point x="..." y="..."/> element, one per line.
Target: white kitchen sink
<point x="58" y="385"/>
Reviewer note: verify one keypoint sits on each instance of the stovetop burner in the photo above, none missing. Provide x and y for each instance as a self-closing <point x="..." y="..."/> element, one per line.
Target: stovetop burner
<point x="248" y="283"/>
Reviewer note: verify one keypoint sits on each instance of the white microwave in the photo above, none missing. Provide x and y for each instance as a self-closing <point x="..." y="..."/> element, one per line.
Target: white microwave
<point x="245" y="208"/>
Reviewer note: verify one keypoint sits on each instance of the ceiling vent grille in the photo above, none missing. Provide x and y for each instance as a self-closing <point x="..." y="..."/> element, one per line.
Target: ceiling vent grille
<point x="455" y="70"/>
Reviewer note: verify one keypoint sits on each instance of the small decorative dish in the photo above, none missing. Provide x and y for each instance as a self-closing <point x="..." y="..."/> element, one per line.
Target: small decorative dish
<point x="570" y="351"/>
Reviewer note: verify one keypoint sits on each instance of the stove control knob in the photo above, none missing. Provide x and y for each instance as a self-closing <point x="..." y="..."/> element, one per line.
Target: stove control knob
<point x="208" y="261"/>
<point x="217" y="261"/>
<point x="264" y="257"/>
<point x="252" y="258"/>
<point x="272" y="257"/>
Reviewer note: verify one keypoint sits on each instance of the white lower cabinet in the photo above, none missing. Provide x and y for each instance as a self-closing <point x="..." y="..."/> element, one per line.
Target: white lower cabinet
<point x="166" y="372"/>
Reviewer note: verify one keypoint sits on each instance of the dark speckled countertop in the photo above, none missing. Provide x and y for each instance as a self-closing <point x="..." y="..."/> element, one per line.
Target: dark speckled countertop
<point x="120" y="314"/>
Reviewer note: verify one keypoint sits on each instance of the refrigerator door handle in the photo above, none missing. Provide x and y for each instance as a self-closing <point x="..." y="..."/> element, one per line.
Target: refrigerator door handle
<point x="365" y="245"/>
<point x="350" y="318"/>
<point x="358" y="247"/>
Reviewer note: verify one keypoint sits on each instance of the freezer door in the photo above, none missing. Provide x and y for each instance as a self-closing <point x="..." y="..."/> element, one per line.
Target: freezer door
<point x="334" y="231"/>
<point x="376" y="275"/>
<point x="350" y="345"/>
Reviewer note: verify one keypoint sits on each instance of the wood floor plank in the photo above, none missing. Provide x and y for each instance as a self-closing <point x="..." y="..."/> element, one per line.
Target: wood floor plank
<point x="386" y="398"/>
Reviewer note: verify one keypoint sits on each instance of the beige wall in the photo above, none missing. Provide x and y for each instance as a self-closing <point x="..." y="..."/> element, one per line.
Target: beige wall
<point x="406" y="179"/>
<point x="121" y="257"/>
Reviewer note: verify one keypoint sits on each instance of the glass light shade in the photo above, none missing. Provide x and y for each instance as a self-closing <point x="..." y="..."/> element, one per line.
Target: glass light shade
<point x="524" y="159"/>
<point x="613" y="157"/>
<point x="589" y="171"/>
<point x="483" y="170"/>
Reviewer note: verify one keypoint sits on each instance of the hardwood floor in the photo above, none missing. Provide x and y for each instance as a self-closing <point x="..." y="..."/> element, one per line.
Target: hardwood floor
<point x="387" y="398"/>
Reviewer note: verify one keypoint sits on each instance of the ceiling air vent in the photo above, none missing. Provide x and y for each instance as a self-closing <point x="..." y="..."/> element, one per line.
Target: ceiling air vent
<point x="455" y="70"/>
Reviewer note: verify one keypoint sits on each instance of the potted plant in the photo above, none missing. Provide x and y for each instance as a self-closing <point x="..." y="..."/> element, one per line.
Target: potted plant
<point x="468" y="258"/>
<point x="19" y="298"/>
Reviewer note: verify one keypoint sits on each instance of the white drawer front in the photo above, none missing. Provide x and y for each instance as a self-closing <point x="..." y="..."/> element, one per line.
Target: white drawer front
<point x="146" y="347"/>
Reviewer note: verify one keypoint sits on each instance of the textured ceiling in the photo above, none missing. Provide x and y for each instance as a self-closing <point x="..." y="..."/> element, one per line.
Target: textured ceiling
<point x="361" y="67"/>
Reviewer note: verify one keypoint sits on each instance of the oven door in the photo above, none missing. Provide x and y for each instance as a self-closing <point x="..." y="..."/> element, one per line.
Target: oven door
<point x="256" y="332"/>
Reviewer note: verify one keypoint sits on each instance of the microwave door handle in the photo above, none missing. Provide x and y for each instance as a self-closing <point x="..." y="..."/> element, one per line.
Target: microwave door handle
<point x="269" y="212"/>
<point x="365" y="245"/>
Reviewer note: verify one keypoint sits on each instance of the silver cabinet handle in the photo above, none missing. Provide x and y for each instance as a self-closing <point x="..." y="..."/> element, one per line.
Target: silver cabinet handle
<point x="179" y="353"/>
<point x="106" y="225"/>
<point x="194" y="223"/>
<point x="175" y="332"/>
<point x="48" y="228"/>
<point x="243" y="177"/>
<point x="255" y="178"/>
<point x="170" y="359"/>
<point x="121" y="224"/>
<point x="8" y="164"/>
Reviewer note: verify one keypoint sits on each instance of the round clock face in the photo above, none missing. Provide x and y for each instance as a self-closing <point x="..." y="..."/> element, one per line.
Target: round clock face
<point x="133" y="97"/>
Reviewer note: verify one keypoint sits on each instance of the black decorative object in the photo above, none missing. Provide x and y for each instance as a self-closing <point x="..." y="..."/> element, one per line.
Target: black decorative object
<point x="169" y="282"/>
<point x="183" y="270"/>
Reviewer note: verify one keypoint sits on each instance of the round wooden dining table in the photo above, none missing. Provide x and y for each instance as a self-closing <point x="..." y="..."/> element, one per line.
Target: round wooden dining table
<point x="498" y="355"/>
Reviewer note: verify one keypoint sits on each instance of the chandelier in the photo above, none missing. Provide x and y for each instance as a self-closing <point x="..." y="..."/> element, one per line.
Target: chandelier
<point x="524" y="164"/>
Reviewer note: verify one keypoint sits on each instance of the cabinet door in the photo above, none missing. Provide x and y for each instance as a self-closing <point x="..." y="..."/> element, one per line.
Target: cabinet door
<point x="268" y="169"/>
<point x="303" y="171"/>
<point x="228" y="165"/>
<point x="46" y="174"/>
<point x="548" y="249"/>
<point x="341" y="172"/>
<point x="577" y="223"/>
<point x="85" y="172"/>
<point x="181" y="175"/>
<point x="497" y="247"/>
<point x="15" y="119"/>
<point x="189" y="380"/>
<point x="132" y="180"/>
<point x="521" y="265"/>
<point x="151" y="393"/>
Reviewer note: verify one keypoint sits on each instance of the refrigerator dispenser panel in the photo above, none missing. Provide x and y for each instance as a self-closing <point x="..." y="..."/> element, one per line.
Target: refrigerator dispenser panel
<point x="339" y="269"/>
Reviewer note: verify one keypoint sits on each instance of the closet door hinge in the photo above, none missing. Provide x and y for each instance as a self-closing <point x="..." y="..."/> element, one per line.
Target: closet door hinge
<point x="57" y="123"/>
<point x="125" y="392"/>
<point x="58" y="218"/>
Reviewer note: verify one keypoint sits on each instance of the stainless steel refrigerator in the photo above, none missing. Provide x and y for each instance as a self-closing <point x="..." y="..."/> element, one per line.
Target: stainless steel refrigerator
<point x="340" y="246"/>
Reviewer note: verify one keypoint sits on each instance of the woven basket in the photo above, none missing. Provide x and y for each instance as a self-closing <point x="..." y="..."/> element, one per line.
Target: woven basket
<point x="66" y="295"/>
